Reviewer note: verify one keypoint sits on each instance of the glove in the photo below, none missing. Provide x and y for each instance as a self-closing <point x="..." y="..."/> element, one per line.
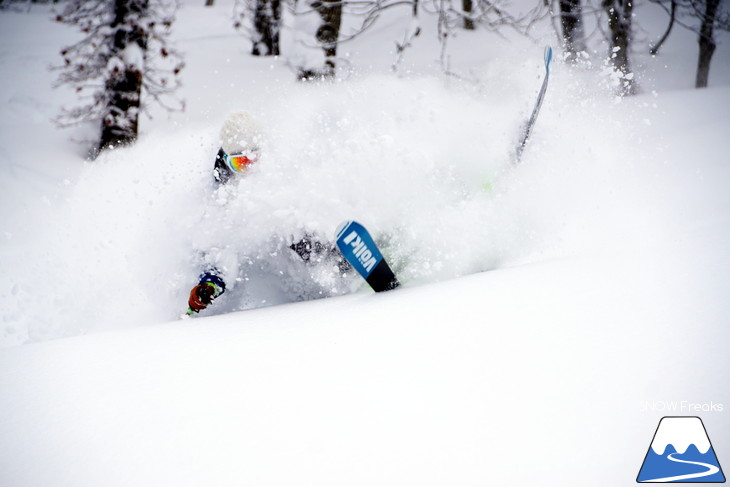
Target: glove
<point x="202" y="295"/>
<point x="209" y="287"/>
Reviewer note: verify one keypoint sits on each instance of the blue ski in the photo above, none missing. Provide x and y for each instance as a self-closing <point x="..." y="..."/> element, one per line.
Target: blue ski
<point x="358" y="247"/>
<point x="531" y="122"/>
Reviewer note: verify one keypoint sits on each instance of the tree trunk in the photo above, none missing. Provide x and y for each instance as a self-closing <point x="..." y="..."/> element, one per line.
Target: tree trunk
<point x="328" y="33"/>
<point x="468" y="7"/>
<point x="619" y="23"/>
<point x="707" y="43"/>
<point x="267" y="17"/>
<point x="123" y="86"/>
<point x="571" y="19"/>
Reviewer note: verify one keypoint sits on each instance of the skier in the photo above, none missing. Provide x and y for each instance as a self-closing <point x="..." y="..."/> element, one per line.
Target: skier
<point x="241" y="141"/>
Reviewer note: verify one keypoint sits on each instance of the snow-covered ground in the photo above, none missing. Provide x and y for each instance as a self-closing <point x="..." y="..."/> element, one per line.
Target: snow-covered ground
<point x="605" y="300"/>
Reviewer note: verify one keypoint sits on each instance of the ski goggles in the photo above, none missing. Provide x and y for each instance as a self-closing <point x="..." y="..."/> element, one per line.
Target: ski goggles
<point x="240" y="161"/>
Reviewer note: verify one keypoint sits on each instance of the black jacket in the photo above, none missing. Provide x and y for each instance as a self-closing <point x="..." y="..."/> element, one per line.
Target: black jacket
<point x="221" y="172"/>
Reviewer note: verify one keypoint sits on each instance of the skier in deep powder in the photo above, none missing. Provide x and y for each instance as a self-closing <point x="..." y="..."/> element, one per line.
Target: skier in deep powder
<point x="241" y="147"/>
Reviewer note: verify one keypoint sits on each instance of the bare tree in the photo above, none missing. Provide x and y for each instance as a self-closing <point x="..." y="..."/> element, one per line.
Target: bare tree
<point x="450" y="17"/>
<point x="324" y="18"/>
<point x="413" y="31"/>
<point x="267" y="19"/>
<point x="707" y="41"/>
<point x="702" y="17"/>
<point x="261" y="19"/>
<point x="123" y="57"/>
<point x="328" y="32"/>
<point x="620" y="15"/>
<point x="491" y="15"/>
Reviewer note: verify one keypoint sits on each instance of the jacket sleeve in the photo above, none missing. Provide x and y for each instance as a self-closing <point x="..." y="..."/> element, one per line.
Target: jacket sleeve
<point x="212" y="276"/>
<point x="221" y="172"/>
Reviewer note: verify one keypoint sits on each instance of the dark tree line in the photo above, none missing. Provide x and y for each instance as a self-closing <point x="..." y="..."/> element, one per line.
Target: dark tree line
<point x="710" y="17"/>
<point x="704" y="17"/>
<point x="124" y="61"/>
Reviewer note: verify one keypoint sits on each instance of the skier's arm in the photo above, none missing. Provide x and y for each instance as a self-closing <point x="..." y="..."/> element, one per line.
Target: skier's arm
<point x="221" y="171"/>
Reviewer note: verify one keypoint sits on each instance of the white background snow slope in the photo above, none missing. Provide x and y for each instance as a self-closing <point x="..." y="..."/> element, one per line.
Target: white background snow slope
<point x="545" y="326"/>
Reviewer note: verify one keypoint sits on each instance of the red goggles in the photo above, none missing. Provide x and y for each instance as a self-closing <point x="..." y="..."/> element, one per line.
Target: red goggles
<point x="239" y="162"/>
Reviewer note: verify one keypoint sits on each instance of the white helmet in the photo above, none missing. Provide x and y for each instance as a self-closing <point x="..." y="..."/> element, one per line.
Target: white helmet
<point x="240" y="132"/>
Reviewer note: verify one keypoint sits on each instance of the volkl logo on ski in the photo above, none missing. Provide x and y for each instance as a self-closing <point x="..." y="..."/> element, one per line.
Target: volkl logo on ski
<point x="361" y="251"/>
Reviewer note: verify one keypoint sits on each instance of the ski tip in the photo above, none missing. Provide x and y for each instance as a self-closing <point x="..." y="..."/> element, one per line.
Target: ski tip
<point x="548" y="56"/>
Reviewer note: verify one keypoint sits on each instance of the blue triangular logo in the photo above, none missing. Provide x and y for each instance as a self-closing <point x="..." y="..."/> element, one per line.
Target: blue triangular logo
<point x="681" y="452"/>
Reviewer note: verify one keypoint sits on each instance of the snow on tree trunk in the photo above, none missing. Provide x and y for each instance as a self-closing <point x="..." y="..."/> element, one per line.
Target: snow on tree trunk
<point x="329" y="31"/>
<point x="329" y="18"/>
<point x="571" y="20"/>
<point x="266" y="22"/>
<point x="620" y="13"/>
<point x="123" y="57"/>
<point x="123" y="85"/>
